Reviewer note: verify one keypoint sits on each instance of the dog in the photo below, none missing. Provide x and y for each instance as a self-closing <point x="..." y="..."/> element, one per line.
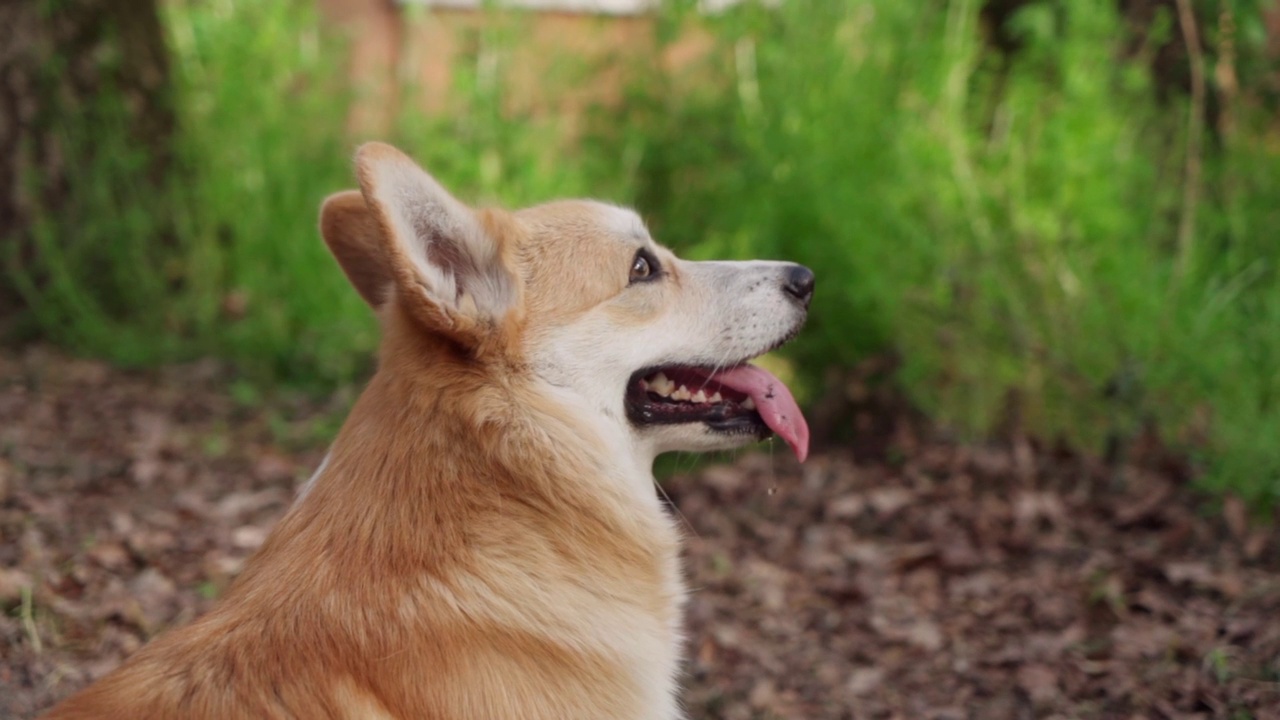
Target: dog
<point x="484" y="539"/>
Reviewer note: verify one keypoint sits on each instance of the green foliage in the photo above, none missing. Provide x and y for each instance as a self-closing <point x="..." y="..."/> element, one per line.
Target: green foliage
<point x="224" y="258"/>
<point x="1001" y="222"/>
<point x="261" y="144"/>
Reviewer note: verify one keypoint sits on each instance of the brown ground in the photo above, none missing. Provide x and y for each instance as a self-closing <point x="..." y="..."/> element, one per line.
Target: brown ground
<point x="915" y="579"/>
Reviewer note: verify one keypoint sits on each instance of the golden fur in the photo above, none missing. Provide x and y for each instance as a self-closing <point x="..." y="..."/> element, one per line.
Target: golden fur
<point x="474" y="545"/>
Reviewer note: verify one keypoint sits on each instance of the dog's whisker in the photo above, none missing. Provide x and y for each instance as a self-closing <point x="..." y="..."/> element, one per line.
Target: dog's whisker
<point x="720" y="364"/>
<point x="679" y="514"/>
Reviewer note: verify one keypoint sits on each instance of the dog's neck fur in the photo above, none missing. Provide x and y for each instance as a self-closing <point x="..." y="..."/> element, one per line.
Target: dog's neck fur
<point x="470" y="555"/>
<point x="396" y="507"/>
<point x="436" y="428"/>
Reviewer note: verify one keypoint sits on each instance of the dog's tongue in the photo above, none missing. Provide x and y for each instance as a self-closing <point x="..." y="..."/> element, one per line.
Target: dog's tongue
<point x="773" y="401"/>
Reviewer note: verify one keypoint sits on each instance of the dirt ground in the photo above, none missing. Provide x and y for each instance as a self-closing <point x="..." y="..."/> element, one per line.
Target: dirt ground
<point x="903" y="577"/>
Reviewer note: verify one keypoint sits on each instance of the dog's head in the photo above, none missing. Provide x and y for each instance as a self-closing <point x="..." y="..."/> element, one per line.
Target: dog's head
<point x="577" y="295"/>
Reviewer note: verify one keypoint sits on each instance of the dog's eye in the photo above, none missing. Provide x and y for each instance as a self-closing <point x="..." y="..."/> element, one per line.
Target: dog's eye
<point x="641" y="269"/>
<point x="644" y="266"/>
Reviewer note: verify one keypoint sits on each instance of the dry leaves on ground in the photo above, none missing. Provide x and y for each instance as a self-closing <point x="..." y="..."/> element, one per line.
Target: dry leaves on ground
<point x="960" y="582"/>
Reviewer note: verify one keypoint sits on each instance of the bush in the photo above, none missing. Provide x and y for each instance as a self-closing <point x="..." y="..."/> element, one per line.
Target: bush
<point x="225" y="258"/>
<point x="1005" y="223"/>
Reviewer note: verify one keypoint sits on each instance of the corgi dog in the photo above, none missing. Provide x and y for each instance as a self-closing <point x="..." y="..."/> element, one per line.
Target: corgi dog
<point x="484" y="539"/>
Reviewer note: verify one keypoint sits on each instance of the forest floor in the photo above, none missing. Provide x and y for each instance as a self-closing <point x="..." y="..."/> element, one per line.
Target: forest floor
<point x="900" y="576"/>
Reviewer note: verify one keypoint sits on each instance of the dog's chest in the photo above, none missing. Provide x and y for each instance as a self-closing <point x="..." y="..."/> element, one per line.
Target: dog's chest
<point x="652" y="645"/>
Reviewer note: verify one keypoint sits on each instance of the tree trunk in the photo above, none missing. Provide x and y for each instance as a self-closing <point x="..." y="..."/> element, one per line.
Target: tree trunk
<point x="58" y="58"/>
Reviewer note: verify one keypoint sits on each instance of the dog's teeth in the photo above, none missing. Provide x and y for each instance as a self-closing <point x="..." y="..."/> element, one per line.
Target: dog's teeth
<point x="716" y="398"/>
<point x="700" y="397"/>
<point x="661" y="384"/>
<point x="644" y="384"/>
<point x="681" y="394"/>
<point x="748" y="404"/>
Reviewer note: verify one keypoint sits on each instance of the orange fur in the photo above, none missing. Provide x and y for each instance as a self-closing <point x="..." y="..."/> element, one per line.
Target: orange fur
<point x="420" y="577"/>
<point x="414" y="597"/>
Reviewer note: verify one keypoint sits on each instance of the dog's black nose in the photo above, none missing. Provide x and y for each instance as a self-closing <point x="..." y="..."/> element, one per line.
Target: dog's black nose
<point x="798" y="283"/>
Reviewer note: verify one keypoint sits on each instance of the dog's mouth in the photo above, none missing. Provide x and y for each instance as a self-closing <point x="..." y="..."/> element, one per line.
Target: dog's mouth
<point x="741" y="400"/>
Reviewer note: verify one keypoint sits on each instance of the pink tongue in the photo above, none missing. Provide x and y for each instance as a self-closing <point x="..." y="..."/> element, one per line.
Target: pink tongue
<point x="773" y="401"/>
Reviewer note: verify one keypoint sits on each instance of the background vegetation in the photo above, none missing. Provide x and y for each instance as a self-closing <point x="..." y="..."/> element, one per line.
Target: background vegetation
<point x="1042" y="209"/>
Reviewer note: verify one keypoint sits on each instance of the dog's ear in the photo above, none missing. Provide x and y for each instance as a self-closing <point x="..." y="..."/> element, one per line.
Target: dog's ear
<point x="450" y="272"/>
<point x="355" y="239"/>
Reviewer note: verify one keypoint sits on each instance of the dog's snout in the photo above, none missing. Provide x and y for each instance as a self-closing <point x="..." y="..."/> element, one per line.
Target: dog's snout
<point x="798" y="283"/>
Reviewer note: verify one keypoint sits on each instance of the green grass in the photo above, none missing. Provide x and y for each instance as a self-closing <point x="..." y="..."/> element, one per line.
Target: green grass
<point x="1001" y="223"/>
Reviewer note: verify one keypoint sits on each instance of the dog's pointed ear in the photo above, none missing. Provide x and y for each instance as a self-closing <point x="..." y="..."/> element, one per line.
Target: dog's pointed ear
<point x="355" y="239"/>
<point x="448" y="269"/>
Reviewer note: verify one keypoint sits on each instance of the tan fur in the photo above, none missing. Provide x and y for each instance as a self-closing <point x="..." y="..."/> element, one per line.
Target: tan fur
<point x="473" y="547"/>
<point x="352" y="234"/>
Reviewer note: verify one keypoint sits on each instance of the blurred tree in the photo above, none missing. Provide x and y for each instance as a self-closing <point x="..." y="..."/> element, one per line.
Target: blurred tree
<point x="65" y="62"/>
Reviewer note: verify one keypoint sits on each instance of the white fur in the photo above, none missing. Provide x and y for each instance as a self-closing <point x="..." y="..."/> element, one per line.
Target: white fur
<point x="311" y="481"/>
<point x="432" y="227"/>
<point x="623" y="222"/>
<point x="726" y="313"/>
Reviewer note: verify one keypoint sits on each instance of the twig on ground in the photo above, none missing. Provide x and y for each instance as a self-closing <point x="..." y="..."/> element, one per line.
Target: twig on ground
<point x="28" y="620"/>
